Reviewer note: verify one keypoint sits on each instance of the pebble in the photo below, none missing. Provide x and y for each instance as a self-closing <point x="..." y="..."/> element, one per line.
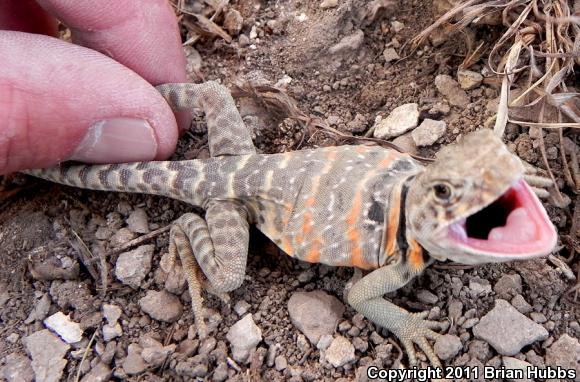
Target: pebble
<point x="507" y="330"/>
<point x="340" y="352"/>
<point x="161" y="306"/>
<point x="280" y="363"/>
<point x="306" y="276"/>
<point x="348" y="43"/>
<point x="447" y="346"/>
<point x="428" y="132"/>
<point x="122" y="236"/>
<point x="397" y="26"/>
<point x="479" y="287"/>
<point x="99" y="373"/>
<point x="402" y="119"/>
<point x="154" y="353"/>
<point x="137" y="221"/>
<point x="133" y="363"/>
<point x="324" y="342"/>
<point x="233" y="22"/>
<point x="390" y="54"/>
<point x="521" y="304"/>
<point x="241" y="307"/>
<point x="111" y="331"/>
<point x="325" y="4"/>
<point x="17" y="368"/>
<point x="565" y="352"/>
<point x="468" y="79"/>
<point x="315" y="313"/>
<point x="406" y="143"/>
<point x="508" y="286"/>
<point x="220" y="373"/>
<point x="539" y="318"/>
<point x="112" y="313"/>
<point x="243" y="336"/>
<point x="360" y="344"/>
<point x="40" y="310"/>
<point x="516" y="364"/>
<point x="427" y="297"/>
<point x="451" y="90"/>
<point x="62" y="325"/>
<point x="47" y="352"/>
<point x="133" y="266"/>
<point x="176" y="282"/>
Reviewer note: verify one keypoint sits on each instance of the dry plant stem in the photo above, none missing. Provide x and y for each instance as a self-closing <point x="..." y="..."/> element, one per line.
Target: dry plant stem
<point x="86" y="352"/>
<point x="137" y="241"/>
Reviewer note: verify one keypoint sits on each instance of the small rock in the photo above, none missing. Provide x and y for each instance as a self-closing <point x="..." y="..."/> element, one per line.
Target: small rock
<point x="539" y="318"/>
<point x="280" y="363"/>
<point x="133" y="266"/>
<point x="328" y="4"/>
<point x="302" y="343"/>
<point x="241" y="307"/>
<point x="154" y="353"/>
<point x="112" y="331"/>
<point x="565" y="352"/>
<point x="40" y="310"/>
<point x="47" y="352"/>
<point x="306" y="276"/>
<point x="455" y="309"/>
<point x="427" y="297"/>
<point x="315" y="313"/>
<point x="508" y="285"/>
<point x="516" y="364"/>
<point x="161" y="306"/>
<point x="253" y="32"/>
<point x="348" y="43"/>
<point x="340" y="352"/>
<point x="507" y="330"/>
<point x="469" y="79"/>
<point x="479" y="287"/>
<point x="243" y="40"/>
<point x="176" y="282"/>
<point x="133" y="363"/>
<point x="521" y="304"/>
<point x="233" y="22"/>
<point x="406" y="143"/>
<point x="122" y="236"/>
<point x="447" y="346"/>
<point x="244" y="335"/>
<point x="360" y="344"/>
<point x="428" y="132"/>
<point x="220" y="373"/>
<point x="401" y="120"/>
<point x="397" y="26"/>
<point x="100" y="373"/>
<point x="17" y="368"/>
<point x="451" y="90"/>
<point x="137" y="221"/>
<point x="13" y="338"/>
<point x="62" y="325"/>
<point x="390" y="54"/>
<point x="112" y="313"/>
<point x="324" y="342"/>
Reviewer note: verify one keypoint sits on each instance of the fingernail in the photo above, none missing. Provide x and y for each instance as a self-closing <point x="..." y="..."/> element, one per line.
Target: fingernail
<point x="117" y="140"/>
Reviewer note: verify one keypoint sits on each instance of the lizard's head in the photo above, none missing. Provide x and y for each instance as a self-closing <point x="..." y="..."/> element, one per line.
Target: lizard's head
<point x="473" y="206"/>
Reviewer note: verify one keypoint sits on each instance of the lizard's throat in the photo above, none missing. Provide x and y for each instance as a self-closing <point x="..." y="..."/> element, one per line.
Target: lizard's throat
<point x="513" y="226"/>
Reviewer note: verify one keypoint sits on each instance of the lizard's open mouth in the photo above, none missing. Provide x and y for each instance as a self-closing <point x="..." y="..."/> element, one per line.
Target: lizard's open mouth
<point x="514" y="224"/>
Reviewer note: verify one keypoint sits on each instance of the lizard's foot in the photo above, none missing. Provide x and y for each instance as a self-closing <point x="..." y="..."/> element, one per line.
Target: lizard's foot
<point x="538" y="182"/>
<point x="418" y="330"/>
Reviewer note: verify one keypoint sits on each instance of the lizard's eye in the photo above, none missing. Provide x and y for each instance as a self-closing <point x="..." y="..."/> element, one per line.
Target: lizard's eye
<point x="442" y="192"/>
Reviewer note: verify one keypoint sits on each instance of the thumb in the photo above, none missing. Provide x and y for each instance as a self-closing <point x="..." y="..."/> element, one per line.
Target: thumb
<point x="60" y="101"/>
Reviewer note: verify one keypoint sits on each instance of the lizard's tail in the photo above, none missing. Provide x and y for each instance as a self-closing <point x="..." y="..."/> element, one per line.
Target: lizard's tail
<point x="179" y="180"/>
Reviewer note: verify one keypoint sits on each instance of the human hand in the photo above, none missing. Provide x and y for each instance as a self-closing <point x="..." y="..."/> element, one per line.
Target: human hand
<point x="61" y="101"/>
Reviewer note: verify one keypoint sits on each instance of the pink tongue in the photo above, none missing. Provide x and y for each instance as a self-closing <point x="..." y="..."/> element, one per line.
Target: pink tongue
<point x="519" y="228"/>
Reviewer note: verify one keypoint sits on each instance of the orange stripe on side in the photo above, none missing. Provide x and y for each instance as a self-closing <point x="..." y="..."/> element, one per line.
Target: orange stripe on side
<point x="393" y="222"/>
<point x="415" y="255"/>
<point x="313" y="255"/>
<point x="287" y="247"/>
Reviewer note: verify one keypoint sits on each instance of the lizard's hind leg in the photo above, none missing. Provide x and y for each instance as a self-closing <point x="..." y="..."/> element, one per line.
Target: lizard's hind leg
<point x="217" y="245"/>
<point x="227" y="132"/>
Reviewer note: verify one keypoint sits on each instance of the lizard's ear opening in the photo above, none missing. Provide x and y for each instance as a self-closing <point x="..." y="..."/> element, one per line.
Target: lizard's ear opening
<point x="513" y="226"/>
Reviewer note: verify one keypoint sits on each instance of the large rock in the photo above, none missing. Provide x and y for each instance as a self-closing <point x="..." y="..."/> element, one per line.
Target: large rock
<point x="507" y="330"/>
<point x="315" y="313"/>
<point x="244" y="335"/>
<point x="47" y="352"/>
<point x="401" y="120"/>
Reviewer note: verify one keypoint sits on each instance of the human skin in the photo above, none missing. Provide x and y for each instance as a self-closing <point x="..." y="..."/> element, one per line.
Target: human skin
<point x="91" y="100"/>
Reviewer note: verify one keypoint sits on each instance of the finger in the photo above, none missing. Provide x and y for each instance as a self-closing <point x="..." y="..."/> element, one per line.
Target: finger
<point x="141" y="34"/>
<point x="26" y="16"/>
<point x="61" y="101"/>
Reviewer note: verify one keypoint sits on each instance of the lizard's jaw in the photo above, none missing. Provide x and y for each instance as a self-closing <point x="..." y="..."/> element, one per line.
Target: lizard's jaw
<point x="515" y="226"/>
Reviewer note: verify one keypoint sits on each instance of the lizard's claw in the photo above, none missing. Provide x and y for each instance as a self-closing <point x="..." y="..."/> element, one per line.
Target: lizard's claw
<point x="417" y="330"/>
<point x="539" y="183"/>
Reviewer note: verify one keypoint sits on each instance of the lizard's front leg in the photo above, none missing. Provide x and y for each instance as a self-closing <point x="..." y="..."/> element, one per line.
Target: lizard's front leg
<point x="366" y="296"/>
<point x="218" y="246"/>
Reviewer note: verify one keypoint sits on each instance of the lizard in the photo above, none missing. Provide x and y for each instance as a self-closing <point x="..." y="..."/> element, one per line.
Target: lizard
<point x="358" y="206"/>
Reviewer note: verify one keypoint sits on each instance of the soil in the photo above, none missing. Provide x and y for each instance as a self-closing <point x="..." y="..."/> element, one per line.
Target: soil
<point x="348" y="89"/>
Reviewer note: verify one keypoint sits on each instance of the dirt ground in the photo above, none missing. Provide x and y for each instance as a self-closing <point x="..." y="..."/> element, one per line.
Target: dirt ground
<point x="47" y="231"/>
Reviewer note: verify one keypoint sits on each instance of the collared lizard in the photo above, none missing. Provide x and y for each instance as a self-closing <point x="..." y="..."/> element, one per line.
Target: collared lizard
<point x="358" y="206"/>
